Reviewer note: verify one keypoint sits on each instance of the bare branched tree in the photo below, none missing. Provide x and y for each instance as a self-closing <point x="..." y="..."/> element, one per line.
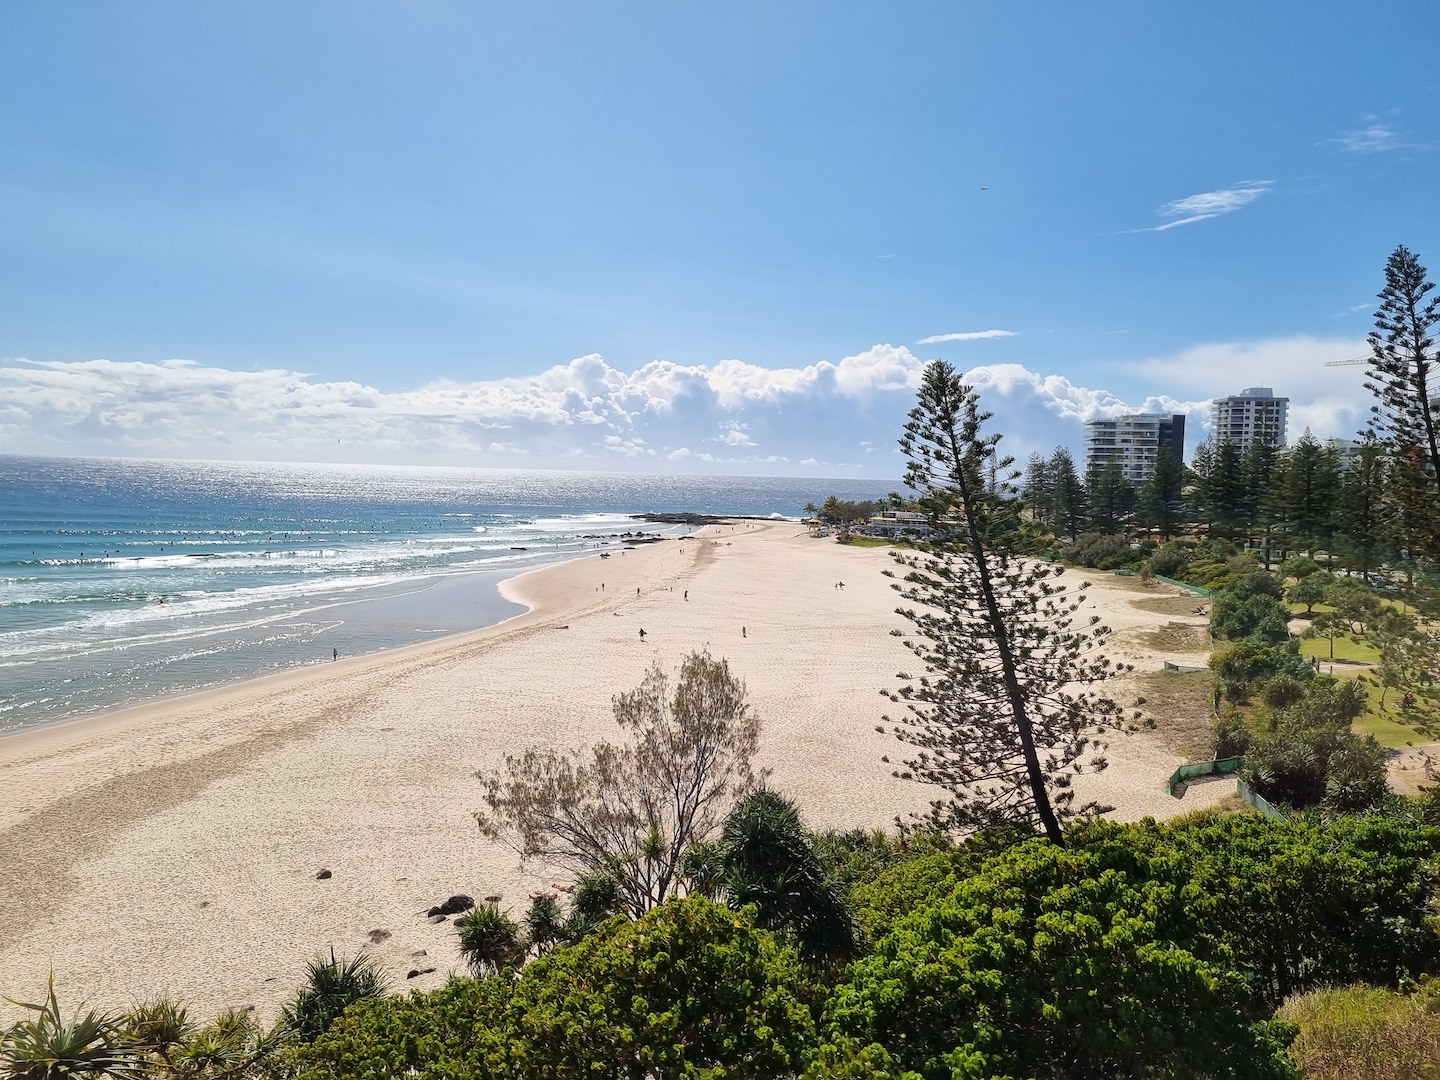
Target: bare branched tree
<point x="1006" y="712"/>
<point x="631" y="811"/>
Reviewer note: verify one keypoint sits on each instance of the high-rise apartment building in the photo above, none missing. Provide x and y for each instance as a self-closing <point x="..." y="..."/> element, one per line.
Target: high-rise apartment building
<point x="1254" y="413"/>
<point x="1133" y="442"/>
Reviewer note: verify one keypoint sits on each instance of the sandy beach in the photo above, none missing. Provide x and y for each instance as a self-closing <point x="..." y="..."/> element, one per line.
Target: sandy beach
<point x="173" y="848"/>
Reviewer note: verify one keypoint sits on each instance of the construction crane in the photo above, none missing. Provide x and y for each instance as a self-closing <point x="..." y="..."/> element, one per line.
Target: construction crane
<point x="1348" y="363"/>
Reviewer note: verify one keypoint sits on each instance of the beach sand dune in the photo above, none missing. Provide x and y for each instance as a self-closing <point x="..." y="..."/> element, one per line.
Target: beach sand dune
<point x="173" y="848"/>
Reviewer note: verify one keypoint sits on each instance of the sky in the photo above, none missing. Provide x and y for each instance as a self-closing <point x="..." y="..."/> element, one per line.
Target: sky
<point x="688" y="238"/>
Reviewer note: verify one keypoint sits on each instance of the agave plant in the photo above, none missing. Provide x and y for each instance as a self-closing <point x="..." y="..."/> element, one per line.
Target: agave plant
<point x="703" y="868"/>
<point x="597" y="898"/>
<point x="490" y="940"/>
<point x="544" y="923"/>
<point x="771" y="864"/>
<point x="229" y="1046"/>
<point x="48" y="1047"/>
<point x="330" y="987"/>
<point x="158" y="1027"/>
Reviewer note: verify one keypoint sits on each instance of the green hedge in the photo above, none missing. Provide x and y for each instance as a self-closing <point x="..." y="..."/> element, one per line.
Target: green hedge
<point x="1137" y="950"/>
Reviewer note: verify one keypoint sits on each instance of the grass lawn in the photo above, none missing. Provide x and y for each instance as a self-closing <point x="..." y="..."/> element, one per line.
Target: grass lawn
<point x="867" y="541"/>
<point x="1390" y="726"/>
<point x="1388" y="733"/>
<point x="1361" y="652"/>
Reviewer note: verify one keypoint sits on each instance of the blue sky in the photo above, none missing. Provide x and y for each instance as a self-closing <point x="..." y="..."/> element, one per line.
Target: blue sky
<point x="598" y="235"/>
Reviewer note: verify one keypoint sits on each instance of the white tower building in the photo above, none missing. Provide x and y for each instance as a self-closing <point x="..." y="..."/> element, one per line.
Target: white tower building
<point x="1254" y="413"/>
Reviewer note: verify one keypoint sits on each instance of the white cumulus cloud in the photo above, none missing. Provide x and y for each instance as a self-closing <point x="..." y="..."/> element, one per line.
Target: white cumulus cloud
<point x="587" y="413"/>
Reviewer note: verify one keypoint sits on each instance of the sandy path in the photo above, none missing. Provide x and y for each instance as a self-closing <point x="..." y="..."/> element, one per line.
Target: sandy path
<point x="174" y="847"/>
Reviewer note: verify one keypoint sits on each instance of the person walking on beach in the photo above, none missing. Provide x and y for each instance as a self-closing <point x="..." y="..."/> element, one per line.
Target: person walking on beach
<point x="743" y="633"/>
<point x="334" y="654"/>
<point x="687" y="596"/>
<point x="642" y="633"/>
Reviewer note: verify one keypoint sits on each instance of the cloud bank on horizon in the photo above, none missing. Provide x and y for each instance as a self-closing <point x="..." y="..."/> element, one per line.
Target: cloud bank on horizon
<point x="731" y="416"/>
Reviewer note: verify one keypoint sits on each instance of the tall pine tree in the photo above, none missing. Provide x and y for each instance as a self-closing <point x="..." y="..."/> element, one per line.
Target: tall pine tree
<point x="1311" y="491"/>
<point x="1160" y="497"/>
<point x="1257" y="465"/>
<point x="1069" y="494"/>
<point x="1364" y="517"/>
<point x="1403" y="373"/>
<point x="1039" y="490"/>
<point x="1225" y="489"/>
<point x="1005" y="713"/>
<point x="1111" y="497"/>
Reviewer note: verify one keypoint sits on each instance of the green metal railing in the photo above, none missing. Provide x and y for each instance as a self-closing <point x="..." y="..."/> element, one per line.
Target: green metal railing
<point x="1196" y="589"/>
<point x="1219" y="766"/>
<point x="1258" y="801"/>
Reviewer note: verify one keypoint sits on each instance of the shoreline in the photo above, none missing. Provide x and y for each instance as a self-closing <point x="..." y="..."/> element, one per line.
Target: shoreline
<point x="438" y="639"/>
<point x="359" y="611"/>
<point x="173" y="847"/>
<point x="47" y="739"/>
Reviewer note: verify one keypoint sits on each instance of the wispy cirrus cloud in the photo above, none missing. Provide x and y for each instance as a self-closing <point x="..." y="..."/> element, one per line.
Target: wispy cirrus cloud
<point x="1369" y="140"/>
<point x="1208" y="204"/>
<point x="968" y="335"/>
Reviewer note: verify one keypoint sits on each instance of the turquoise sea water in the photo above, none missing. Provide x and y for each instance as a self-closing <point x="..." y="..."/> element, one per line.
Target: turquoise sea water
<point x="126" y="581"/>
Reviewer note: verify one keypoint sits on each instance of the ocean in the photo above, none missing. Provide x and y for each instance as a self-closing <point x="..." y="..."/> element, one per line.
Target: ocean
<point x="124" y="581"/>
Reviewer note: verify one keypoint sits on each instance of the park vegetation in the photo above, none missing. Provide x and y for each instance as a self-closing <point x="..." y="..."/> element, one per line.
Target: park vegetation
<point x="1132" y="951"/>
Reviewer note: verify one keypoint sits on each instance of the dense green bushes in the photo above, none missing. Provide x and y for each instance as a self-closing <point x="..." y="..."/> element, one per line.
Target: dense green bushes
<point x="1135" y="950"/>
<point x="1299" y="747"/>
<point x="1052" y="962"/>
<point x="689" y="990"/>
<point x="1138" y="949"/>
<point x="1101" y="551"/>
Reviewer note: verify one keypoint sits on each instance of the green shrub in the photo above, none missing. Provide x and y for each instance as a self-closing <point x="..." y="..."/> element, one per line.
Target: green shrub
<point x="690" y="990"/>
<point x="1312" y="758"/>
<point x="1231" y="735"/>
<point x="1330" y="701"/>
<point x="882" y="903"/>
<point x="1102" y="551"/>
<point x="455" y="1033"/>
<point x="1052" y="962"/>
<point x="1171" y="560"/>
<point x="1299" y="904"/>
<point x="1243" y="615"/>
<point x="490" y="940"/>
<point x="544" y="923"/>
<point x="1328" y="767"/>
<point x="330" y="987"/>
<point x="1243" y="665"/>
<point x="771" y="865"/>
<point x="1366" y="1033"/>
<point x="597" y="897"/>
